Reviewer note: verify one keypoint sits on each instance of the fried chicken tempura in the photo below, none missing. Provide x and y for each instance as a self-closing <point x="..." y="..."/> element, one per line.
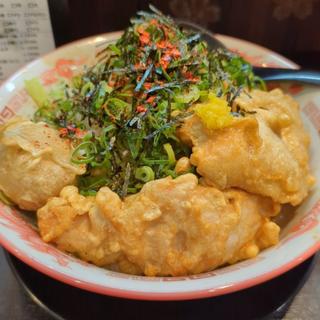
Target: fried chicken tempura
<point x="77" y="225"/>
<point x="171" y="227"/>
<point x="264" y="153"/>
<point x="34" y="163"/>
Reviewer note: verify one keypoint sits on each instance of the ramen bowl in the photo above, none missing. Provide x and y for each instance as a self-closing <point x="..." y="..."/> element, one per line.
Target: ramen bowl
<point x="300" y="235"/>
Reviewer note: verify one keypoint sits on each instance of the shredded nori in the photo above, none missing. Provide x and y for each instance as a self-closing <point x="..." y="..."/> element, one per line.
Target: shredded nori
<point x="122" y="111"/>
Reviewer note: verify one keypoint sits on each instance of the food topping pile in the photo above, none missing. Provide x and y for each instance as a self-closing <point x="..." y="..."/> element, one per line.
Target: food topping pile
<point x="122" y="113"/>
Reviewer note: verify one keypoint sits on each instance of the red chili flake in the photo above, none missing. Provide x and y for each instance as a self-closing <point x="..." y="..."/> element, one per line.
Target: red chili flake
<point x="190" y="76"/>
<point x="175" y="52"/>
<point x="151" y="99"/>
<point x="141" y="108"/>
<point x="137" y="66"/>
<point x="165" y="60"/>
<point x="111" y="83"/>
<point x="140" y="29"/>
<point x="79" y="133"/>
<point x="63" y="132"/>
<point x="145" y="38"/>
<point x="195" y="79"/>
<point x="121" y="82"/>
<point x="154" y="22"/>
<point x="147" y="85"/>
<point x="164" y="64"/>
<point x="166" y="30"/>
<point x="163" y="44"/>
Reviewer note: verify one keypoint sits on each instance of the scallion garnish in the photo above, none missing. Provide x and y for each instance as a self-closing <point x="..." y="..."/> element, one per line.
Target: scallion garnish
<point x="122" y="113"/>
<point x="144" y="174"/>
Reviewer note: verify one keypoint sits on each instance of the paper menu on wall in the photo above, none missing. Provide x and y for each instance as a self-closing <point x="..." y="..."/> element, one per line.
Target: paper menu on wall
<point x="25" y="33"/>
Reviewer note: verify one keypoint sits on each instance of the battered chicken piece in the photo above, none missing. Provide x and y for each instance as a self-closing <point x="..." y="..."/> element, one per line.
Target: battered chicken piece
<point x="77" y="225"/>
<point x="171" y="227"/>
<point x="34" y="163"/>
<point x="264" y="153"/>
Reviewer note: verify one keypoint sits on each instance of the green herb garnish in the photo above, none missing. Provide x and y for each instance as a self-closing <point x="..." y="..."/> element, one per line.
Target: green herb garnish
<point x="122" y="113"/>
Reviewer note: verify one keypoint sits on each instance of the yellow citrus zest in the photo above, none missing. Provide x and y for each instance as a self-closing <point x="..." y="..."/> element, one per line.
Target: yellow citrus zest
<point x="214" y="113"/>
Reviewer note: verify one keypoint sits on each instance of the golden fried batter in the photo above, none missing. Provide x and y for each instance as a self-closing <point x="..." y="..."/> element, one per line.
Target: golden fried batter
<point x="77" y="225"/>
<point x="34" y="163"/>
<point x="265" y="152"/>
<point x="171" y="227"/>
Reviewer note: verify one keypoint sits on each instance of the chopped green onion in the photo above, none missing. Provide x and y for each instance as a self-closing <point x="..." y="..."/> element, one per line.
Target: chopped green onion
<point x="103" y="137"/>
<point x="88" y="136"/>
<point x="76" y="82"/>
<point x="115" y="49"/>
<point x="132" y="190"/>
<point x="100" y="95"/>
<point x="171" y="173"/>
<point x="144" y="174"/>
<point x="187" y="96"/>
<point x="171" y="156"/>
<point x="118" y="102"/>
<point x="88" y="193"/>
<point x="87" y="88"/>
<point x="84" y="153"/>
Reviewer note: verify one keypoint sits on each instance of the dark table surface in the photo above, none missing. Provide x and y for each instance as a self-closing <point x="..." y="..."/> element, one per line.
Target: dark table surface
<point x="15" y="303"/>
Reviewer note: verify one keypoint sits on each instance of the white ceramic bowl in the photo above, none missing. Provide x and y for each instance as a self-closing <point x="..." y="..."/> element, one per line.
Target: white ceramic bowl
<point x="300" y="238"/>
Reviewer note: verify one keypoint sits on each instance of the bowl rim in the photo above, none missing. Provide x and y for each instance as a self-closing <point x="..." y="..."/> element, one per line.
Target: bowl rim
<point x="143" y="295"/>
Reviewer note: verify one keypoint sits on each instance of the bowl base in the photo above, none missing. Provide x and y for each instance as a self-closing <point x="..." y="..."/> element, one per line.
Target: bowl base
<point x="269" y="300"/>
